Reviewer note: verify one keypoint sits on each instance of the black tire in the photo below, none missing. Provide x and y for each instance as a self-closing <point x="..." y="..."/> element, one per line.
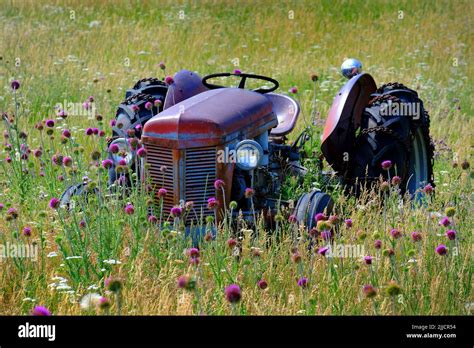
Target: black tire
<point x="78" y="190"/>
<point x="398" y="136"/>
<point x="310" y="204"/>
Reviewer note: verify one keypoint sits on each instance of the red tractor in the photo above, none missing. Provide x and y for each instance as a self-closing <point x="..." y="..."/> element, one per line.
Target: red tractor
<point x="196" y="132"/>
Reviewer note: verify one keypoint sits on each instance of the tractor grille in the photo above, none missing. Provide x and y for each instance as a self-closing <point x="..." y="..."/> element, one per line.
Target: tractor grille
<point x="198" y="172"/>
<point x="161" y="172"/>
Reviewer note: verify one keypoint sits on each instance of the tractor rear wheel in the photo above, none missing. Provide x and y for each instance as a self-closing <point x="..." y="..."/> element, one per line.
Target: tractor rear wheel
<point x="394" y="127"/>
<point x="310" y="204"/>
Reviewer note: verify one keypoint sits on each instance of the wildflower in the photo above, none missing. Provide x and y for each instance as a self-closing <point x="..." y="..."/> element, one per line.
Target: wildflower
<point x="326" y="235"/>
<point x="135" y="108"/>
<point x="15" y="85"/>
<point x="176" y="211"/>
<point x="303" y="282"/>
<point x="320" y="217"/>
<point x="292" y="219"/>
<point x="334" y="219"/>
<point x="107" y="163"/>
<point x="369" y="291"/>
<point x="162" y="66"/>
<point x="237" y="72"/>
<point x="314" y="77"/>
<point x="378" y="244"/>
<point x="368" y="260"/>
<point x="66" y="133"/>
<point x="26" y="231"/>
<point x="169" y="80"/>
<point x="2" y="206"/>
<point x="441" y="249"/>
<point x="129" y="209"/>
<point x="233" y="205"/>
<point x="384" y="186"/>
<point x="186" y="282"/>
<point x="114" y="148"/>
<point x="113" y="284"/>
<point x="141" y="152"/>
<point x="212" y="203"/>
<point x="194" y="261"/>
<point x="249" y="192"/>
<point x="416" y="236"/>
<point x="388" y="252"/>
<point x="152" y="219"/>
<point x="451" y="234"/>
<point x="322" y="251"/>
<point x="162" y="192"/>
<point x="219" y="184"/>
<point x="395" y="233"/>
<point x="49" y="123"/>
<point x="444" y="222"/>
<point x="12" y="214"/>
<point x="296" y="257"/>
<point x="67" y="161"/>
<point x="450" y="211"/>
<point x="293" y="90"/>
<point x="82" y="224"/>
<point x="233" y="293"/>
<point x="393" y="289"/>
<point x="54" y="203"/>
<point x="428" y="189"/>
<point x="231" y="243"/>
<point x="396" y="180"/>
<point x="386" y="165"/>
<point x="148" y="105"/>
<point x="41" y="311"/>
<point x="465" y="165"/>
<point x="112" y="123"/>
<point x="256" y="252"/>
<point x="104" y="303"/>
<point x="262" y="284"/>
<point x="193" y="252"/>
<point x="348" y="223"/>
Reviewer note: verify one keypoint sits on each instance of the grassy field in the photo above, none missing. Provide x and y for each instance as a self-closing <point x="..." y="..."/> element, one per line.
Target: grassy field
<point x="70" y="50"/>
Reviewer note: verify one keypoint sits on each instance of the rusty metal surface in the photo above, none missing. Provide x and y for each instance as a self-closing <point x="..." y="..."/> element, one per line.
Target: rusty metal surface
<point x="211" y="118"/>
<point x="186" y="85"/>
<point x="287" y="110"/>
<point x="344" y="119"/>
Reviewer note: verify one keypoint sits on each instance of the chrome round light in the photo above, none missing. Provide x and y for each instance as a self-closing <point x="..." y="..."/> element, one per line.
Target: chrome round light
<point x="124" y="152"/>
<point x="351" y="67"/>
<point x="248" y="154"/>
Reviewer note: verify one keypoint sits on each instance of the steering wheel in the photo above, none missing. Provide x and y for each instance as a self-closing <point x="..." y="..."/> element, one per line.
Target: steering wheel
<point x="243" y="79"/>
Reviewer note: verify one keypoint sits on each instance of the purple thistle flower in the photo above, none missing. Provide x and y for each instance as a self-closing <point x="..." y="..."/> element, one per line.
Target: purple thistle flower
<point x="386" y="165"/>
<point x="86" y="105"/>
<point x="233" y="293"/>
<point x="113" y="123"/>
<point x="193" y="252"/>
<point x="262" y="284"/>
<point x="91" y="99"/>
<point x="107" y="163"/>
<point x="82" y="224"/>
<point x="2" y="206"/>
<point x="89" y="131"/>
<point x="322" y="251"/>
<point x="326" y="235"/>
<point x="15" y="85"/>
<point x="129" y="209"/>
<point x="237" y="72"/>
<point x="428" y="189"/>
<point x="152" y="219"/>
<point x="293" y="90"/>
<point x="62" y="114"/>
<point x="141" y="152"/>
<point x="49" y="123"/>
<point x="348" y="223"/>
<point x="67" y="161"/>
<point x="114" y="148"/>
<point x="369" y="291"/>
<point x="416" y="236"/>
<point x="378" y="244"/>
<point x="176" y="211"/>
<point x="303" y="282"/>
<point x="396" y="180"/>
<point x="26" y="231"/>
<point x="249" y="192"/>
<point x="445" y="222"/>
<point x="162" y="192"/>
<point x="54" y="203"/>
<point x="218" y="184"/>
<point x="212" y="203"/>
<point x="135" y="108"/>
<point x="169" y="80"/>
<point x="451" y="234"/>
<point x="292" y="219"/>
<point x="95" y="131"/>
<point x="320" y="217"/>
<point x="395" y="233"/>
<point x="66" y="133"/>
<point x="162" y="65"/>
<point x="441" y="249"/>
<point x="368" y="260"/>
<point x="41" y="311"/>
<point x="157" y="103"/>
<point x="148" y="105"/>
<point x="122" y="162"/>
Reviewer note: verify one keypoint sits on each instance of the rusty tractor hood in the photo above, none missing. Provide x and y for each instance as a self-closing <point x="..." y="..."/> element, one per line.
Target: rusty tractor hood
<point x="211" y="118"/>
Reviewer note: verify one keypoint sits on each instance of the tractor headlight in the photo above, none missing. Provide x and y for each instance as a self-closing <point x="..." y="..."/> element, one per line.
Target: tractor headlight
<point x="248" y="154"/>
<point x="120" y="150"/>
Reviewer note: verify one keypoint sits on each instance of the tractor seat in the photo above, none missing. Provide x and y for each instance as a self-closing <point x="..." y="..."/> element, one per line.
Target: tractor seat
<point x="286" y="110"/>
